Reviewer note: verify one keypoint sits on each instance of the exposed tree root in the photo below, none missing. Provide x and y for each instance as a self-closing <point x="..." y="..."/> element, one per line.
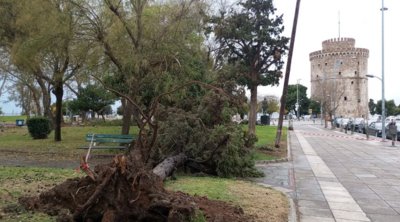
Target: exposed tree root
<point x="120" y="192"/>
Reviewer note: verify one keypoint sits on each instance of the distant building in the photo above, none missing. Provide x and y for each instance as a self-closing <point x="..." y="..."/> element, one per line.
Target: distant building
<point x="338" y="78"/>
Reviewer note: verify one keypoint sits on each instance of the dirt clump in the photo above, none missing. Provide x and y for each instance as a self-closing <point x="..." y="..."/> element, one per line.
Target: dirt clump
<point x="120" y="191"/>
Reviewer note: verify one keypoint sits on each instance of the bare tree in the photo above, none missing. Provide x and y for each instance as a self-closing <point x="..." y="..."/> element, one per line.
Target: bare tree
<point x="330" y="94"/>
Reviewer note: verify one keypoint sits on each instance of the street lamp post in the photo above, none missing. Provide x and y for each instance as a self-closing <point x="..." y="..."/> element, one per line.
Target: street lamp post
<point x="383" y="9"/>
<point x="383" y="107"/>
<point x="297" y="101"/>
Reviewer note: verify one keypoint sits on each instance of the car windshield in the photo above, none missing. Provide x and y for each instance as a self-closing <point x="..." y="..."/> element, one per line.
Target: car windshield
<point x="359" y="120"/>
<point x="378" y="125"/>
<point x="344" y="120"/>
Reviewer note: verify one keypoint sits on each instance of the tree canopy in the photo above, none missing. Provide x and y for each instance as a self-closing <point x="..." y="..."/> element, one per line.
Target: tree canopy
<point x="250" y="39"/>
<point x="92" y="98"/>
<point x="299" y="91"/>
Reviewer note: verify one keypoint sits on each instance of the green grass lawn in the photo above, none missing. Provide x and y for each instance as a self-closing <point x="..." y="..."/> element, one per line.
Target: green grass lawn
<point x="18" y="139"/>
<point x="266" y="139"/>
<point x="11" y="119"/>
<point x="212" y="187"/>
<point x="266" y="135"/>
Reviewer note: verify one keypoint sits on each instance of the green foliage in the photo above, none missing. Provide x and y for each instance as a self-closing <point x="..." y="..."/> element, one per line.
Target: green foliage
<point x="291" y="98"/>
<point x="251" y="44"/>
<point x="223" y="150"/>
<point x="39" y="127"/>
<point x="315" y="106"/>
<point x="250" y="39"/>
<point x="372" y="106"/>
<point x="93" y="97"/>
<point x="235" y="160"/>
<point x="390" y="107"/>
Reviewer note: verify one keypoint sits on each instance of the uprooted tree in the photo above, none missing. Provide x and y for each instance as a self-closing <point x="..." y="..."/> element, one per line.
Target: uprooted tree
<point x="182" y="109"/>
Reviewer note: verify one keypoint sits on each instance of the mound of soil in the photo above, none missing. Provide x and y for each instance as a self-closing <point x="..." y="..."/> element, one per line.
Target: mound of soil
<point x="120" y="191"/>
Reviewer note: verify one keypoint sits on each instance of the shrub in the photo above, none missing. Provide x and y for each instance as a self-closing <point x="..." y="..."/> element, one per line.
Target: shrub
<point x="38" y="127"/>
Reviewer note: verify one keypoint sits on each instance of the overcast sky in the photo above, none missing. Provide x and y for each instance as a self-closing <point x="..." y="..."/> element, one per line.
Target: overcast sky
<point x="359" y="19"/>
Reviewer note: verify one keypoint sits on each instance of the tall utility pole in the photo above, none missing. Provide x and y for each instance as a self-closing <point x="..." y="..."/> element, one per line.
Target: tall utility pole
<point x="287" y="74"/>
<point x="383" y="9"/>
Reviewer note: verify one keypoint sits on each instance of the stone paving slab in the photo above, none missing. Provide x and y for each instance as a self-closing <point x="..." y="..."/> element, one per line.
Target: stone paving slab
<point x="368" y="170"/>
<point x="336" y="178"/>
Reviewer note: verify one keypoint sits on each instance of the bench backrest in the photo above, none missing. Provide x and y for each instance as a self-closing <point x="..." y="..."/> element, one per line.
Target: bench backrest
<point x="110" y="138"/>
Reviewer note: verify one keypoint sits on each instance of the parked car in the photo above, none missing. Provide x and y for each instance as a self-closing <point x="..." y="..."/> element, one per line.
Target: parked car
<point x="344" y="123"/>
<point x="358" y="124"/>
<point x="337" y="121"/>
<point x="375" y="129"/>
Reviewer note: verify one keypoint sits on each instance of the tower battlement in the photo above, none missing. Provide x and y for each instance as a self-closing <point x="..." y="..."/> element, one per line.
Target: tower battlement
<point x="340" y="52"/>
<point x="335" y="43"/>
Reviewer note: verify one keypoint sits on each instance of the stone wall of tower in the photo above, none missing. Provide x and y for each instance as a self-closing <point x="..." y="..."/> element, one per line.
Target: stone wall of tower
<point x="338" y="77"/>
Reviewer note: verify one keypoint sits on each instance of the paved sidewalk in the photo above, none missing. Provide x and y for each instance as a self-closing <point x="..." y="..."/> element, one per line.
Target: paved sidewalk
<point x="338" y="177"/>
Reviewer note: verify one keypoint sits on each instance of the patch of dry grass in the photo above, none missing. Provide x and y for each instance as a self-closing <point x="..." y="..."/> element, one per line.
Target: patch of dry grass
<point x="262" y="203"/>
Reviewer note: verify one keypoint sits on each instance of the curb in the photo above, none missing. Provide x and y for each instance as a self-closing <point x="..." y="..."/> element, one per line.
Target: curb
<point x="293" y="207"/>
<point x="292" y="214"/>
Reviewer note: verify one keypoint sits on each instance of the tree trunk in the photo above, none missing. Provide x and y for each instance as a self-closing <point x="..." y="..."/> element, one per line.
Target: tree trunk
<point x="127" y="109"/>
<point x="37" y="103"/>
<point x="167" y="167"/>
<point x="46" y="100"/>
<point x="36" y="100"/>
<point x="58" y="92"/>
<point x="253" y="110"/>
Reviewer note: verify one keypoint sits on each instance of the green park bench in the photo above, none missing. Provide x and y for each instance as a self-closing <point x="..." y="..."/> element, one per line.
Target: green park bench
<point x="108" y="141"/>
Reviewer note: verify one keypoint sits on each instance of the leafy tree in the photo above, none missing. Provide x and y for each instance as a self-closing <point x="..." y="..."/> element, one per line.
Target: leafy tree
<point x="93" y="98"/>
<point x="315" y="106"/>
<point x="372" y="106"/>
<point x="43" y="45"/>
<point x="165" y="67"/>
<point x="390" y="107"/>
<point x="291" y="101"/>
<point x="250" y="40"/>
